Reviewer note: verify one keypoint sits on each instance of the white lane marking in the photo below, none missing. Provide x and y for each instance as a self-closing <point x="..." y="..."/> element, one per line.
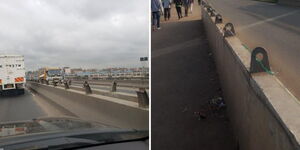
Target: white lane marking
<point x="267" y="20"/>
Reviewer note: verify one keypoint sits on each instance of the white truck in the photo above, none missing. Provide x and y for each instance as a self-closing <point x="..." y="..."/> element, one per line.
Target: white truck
<point x="50" y="75"/>
<point x="12" y="74"/>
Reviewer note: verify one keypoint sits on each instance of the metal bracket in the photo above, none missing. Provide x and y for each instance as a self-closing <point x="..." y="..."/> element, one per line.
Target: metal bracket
<point x="229" y="30"/>
<point x="210" y="11"/>
<point x="87" y="88"/>
<point x="143" y="98"/>
<point x="218" y="19"/>
<point x="66" y="85"/>
<point x="259" y="57"/>
<point x="213" y="13"/>
<point x="114" y="86"/>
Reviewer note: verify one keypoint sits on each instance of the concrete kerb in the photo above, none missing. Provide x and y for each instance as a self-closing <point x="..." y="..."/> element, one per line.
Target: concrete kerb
<point x="98" y="108"/>
<point x="270" y="125"/>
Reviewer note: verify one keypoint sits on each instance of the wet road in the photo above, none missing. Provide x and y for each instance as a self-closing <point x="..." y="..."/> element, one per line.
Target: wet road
<point x="23" y="107"/>
<point x="272" y="26"/>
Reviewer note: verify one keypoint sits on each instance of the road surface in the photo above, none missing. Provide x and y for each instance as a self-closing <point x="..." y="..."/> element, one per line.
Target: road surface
<point x="272" y="26"/>
<point x="184" y="80"/>
<point x="29" y="106"/>
<point x="17" y="108"/>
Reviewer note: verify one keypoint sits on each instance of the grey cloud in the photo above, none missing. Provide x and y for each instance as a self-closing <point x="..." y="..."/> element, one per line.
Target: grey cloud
<point x="76" y="33"/>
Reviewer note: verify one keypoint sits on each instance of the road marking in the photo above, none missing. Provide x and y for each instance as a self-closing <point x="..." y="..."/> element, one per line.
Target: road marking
<point x="267" y="20"/>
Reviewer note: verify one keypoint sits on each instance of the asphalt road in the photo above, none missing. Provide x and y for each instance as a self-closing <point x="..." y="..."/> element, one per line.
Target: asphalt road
<point x="184" y="80"/>
<point x="17" y="108"/>
<point x="272" y="26"/>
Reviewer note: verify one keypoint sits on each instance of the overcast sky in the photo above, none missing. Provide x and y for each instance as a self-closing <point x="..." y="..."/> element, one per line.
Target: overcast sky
<point x="75" y="33"/>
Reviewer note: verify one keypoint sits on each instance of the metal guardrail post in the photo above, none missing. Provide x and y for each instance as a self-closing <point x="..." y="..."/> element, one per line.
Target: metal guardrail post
<point x="143" y="99"/>
<point x="87" y="88"/>
<point x="259" y="61"/>
<point x="114" y="86"/>
<point x="218" y="19"/>
<point x="66" y="85"/>
<point x="229" y="30"/>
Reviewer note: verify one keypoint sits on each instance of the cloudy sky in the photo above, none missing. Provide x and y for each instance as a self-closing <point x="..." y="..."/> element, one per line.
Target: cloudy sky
<point x="75" y="33"/>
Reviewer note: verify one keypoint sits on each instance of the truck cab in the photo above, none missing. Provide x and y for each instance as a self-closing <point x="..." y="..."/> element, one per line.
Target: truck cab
<point x="50" y="75"/>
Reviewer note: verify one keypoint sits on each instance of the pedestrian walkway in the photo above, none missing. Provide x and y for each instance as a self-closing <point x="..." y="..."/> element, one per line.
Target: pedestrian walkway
<point x="184" y="83"/>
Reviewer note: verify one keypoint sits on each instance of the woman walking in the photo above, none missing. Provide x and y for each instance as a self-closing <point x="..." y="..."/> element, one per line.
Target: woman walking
<point x="191" y="6"/>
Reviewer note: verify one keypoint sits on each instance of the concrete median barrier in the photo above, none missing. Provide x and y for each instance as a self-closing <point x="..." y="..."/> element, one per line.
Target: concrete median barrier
<point x="92" y="107"/>
<point x="120" y="83"/>
<point x="263" y="113"/>
<point x="124" y="96"/>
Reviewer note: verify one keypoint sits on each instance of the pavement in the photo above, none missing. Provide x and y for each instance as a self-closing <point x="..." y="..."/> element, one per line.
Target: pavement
<point x="272" y="26"/>
<point x="184" y="81"/>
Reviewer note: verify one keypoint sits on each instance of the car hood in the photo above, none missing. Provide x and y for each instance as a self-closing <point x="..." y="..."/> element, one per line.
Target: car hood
<point x="62" y="132"/>
<point x="46" y="124"/>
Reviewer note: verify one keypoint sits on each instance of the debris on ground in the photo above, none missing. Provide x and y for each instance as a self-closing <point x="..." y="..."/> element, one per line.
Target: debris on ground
<point x="184" y="109"/>
<point x="200" y="115"/>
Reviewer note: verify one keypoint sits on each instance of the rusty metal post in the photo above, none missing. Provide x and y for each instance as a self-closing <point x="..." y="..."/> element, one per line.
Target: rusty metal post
<point x="87" y="88"/>
<point x="66" y="85"/>
<point x="143" y="98"/>
<point x="114" y="86"/>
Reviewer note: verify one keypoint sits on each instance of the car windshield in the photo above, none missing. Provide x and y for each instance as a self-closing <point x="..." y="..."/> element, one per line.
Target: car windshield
<point x="78" y="67"/>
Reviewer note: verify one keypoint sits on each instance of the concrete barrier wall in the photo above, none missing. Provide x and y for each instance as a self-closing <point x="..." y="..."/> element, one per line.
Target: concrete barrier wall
<point x="93" y="108"/>
<point x="290" y="2"/>
<point x="120" y="83"/>
<point x="257" y="117"/>
<point x="129" y="97"/>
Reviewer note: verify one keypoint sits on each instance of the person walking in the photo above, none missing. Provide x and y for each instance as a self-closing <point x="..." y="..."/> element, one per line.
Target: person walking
<point x="178" y="5"/>
<point x="156" y="9"/>
<point x="167" y="9"/>
<point x="191" y="5"/>
<point x="186" y="5"/>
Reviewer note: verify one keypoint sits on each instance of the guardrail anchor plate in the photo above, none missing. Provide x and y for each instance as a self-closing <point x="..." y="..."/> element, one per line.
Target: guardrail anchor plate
<point x="218" y="19"/>
<point x="259" y="60"/>
<point x="229" y="30"/>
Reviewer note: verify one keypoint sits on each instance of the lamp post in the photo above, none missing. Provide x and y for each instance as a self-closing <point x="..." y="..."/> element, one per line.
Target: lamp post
<point x="143" y="59"/>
